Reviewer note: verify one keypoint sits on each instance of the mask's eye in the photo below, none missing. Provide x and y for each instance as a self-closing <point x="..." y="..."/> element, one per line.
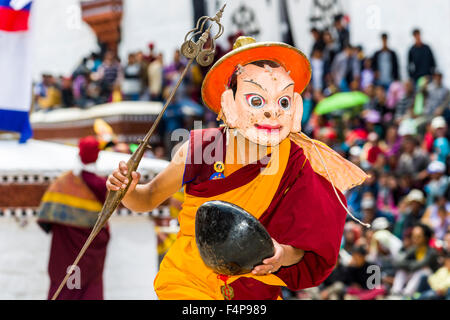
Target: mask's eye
<point x="285" y="102"/>
<point x="255" y="101"/>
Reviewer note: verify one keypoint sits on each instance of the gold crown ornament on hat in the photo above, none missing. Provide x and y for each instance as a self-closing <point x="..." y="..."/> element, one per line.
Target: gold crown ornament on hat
<point x="242" y="41"/>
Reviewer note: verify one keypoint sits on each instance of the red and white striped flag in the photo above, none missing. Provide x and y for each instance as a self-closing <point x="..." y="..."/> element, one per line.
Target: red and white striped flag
<point x="15" y="67"/>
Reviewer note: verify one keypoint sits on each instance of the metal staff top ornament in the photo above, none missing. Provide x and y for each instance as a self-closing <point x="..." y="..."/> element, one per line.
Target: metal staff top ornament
<point x="193" y="51"/>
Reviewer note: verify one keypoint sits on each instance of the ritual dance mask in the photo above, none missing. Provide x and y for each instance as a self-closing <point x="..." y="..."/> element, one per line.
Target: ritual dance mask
<point x="261" y="85"/>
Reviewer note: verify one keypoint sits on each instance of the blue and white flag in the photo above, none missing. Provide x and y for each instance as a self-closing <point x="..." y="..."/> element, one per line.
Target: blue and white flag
<point x="15" y="67"/>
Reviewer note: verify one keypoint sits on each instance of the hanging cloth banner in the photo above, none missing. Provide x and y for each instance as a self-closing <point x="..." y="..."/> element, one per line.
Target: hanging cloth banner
<point x="15" y="67"/>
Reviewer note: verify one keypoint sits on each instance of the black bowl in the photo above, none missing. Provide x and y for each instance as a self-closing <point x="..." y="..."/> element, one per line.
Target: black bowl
<point x="230" y="240"/>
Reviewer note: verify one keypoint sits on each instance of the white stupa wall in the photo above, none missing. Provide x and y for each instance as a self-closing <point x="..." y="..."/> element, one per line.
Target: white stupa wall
<point x="130" y="266"/>
<point x="370" y="18"/>
<point x="164" y="23"/>
<point x="60" y="38"/>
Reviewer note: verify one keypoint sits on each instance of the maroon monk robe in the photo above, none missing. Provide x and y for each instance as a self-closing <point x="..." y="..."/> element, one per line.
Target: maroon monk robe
<point x="67" y="242"/>
<point x="304" y="213"/>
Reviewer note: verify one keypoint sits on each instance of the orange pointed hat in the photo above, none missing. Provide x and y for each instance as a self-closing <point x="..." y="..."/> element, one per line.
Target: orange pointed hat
<point x="247" y="50"/>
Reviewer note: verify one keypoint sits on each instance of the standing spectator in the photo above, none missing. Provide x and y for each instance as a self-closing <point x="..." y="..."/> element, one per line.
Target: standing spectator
<point x="420" y="260"/>
<point x="367" y="74"/>
<point x="140" y="59"/>
<point x="385" y="64"/>
<point x="108" y="73"/>
<point x="438" y="96"/>
<point x="155" y="78"/>
<point x="131" y="84"/>
<point x="318" y="44"/>
<point x="318" y="70"/>
<point x="345" y="68"/>
<point x="342" y="37"/>
<point x="420" y="58"/>
<point x="330" y="49"/>
<point x="151" y="55"/>
<point x="67" y="98"/>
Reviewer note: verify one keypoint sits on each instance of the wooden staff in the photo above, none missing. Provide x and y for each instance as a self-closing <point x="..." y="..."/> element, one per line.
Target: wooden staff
<point x="191" y="50"/>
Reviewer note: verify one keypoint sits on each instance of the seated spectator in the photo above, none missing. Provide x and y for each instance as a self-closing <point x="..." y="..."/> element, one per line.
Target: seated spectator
<point x="407" y="127"/>
<point x="352" y="232"/>
<point x="437" y="217"/>
<point x="411" y="210"/>
<point x="393" y="142"/>
<point x="418" y="261"/>
<point x="406" y="103"/>
<point x="371" y="183"/>
<point x="370" y="211"/>
<point x="369" y="208"/>
<point x="438" y="183"/>
<point x="441" y="145"/>
<point x="372" y="150"/>
<point x="67" y="92"/>
<point x="438" y="283"/>
<point x="413" y="161"/>
<point x="384" y="249"/>
<point x="333" y="287"/>
<point x="388" y="195"/>
<point x="359" y="279"/>
<point x="438" y="96"/>
<point x="395" y="94"/>
<point x="48" y="93"/>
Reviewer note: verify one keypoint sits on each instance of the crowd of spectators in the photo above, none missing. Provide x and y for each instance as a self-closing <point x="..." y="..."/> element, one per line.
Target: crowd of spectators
<point x="145" y="76"/>
<point x="400" y="138"/>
